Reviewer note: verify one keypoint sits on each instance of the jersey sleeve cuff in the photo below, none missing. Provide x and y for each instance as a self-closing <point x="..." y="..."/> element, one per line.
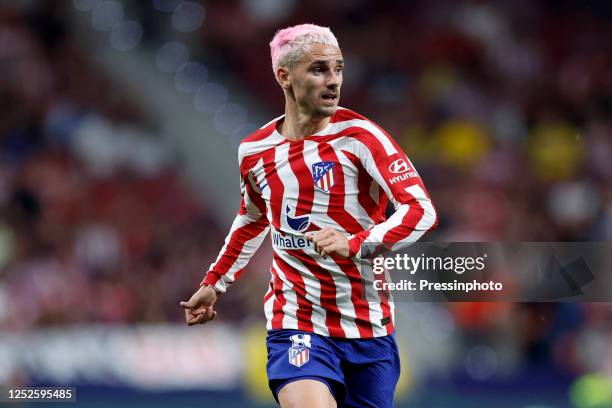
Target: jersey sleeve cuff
<point x="214" y="279"/>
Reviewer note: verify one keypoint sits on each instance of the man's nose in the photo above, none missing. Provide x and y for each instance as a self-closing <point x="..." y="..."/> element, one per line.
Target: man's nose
<point x="333" y="79"/>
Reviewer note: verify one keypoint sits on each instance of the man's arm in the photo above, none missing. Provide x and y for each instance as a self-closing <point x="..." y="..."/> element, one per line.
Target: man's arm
<point x="248" y="231"/>
<point x="414" y="213"/>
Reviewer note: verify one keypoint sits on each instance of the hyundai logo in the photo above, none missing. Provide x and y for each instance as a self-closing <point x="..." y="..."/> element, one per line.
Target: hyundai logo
<point x="399" y="166"/>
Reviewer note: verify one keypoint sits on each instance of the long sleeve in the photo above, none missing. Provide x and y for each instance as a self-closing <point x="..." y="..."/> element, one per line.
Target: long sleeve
<point x="414" y="212"/>
<point x="248" y="231"/>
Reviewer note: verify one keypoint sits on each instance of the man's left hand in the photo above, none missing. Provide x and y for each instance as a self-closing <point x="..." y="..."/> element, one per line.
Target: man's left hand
<point x="329" y="241"/>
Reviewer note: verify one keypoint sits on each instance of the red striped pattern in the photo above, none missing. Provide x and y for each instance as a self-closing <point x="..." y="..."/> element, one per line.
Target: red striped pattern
<point x="304" y="311"/>
<point x="328" y="296"/>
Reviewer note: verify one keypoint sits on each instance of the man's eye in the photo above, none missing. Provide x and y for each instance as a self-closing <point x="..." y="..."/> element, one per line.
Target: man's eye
<point x="339" y="70"/>
<point x="318" y="70"/>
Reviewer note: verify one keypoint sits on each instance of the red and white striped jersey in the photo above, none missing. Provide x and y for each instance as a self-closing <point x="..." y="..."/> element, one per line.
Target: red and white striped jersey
<point x="341" y="177"/>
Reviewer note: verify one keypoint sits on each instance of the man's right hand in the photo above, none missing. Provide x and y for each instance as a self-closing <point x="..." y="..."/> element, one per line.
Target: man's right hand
<point x="199" y="309"/>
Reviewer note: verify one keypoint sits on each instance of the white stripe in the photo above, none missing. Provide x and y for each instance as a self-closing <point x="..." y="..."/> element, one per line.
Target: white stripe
<point x="425" y="223"/>
<point x="313" y="292"/>
<point x="260" y="177"/>
<point x="269" y="304"/>
<point x="390" y="300"/>
<point x="258" y="174"/>
<point x="392" y="308"/>
<point x="258" y="146"/>
<point x="378" y="232"/>
<point x="290" y="307"/>
<point x="337" y="127"/>
<point x="371" y="294"/>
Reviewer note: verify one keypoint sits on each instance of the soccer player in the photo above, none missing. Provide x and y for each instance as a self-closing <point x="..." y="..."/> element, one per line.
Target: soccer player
<point x="319" y="178"/>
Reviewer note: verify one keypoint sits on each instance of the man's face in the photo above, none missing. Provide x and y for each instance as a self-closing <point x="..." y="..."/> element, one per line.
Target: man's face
<point x="316" y="80"/>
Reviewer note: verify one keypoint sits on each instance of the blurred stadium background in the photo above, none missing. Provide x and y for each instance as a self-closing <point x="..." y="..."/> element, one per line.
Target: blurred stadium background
<point x="119" y="128"/>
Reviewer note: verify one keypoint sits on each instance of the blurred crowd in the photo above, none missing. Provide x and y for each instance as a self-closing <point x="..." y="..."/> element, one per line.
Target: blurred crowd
<point x="504" y="107"/>
<point x="95" y="223"/>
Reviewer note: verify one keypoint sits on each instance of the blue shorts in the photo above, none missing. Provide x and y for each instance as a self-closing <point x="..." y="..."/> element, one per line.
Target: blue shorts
<point x="358" y="372"/>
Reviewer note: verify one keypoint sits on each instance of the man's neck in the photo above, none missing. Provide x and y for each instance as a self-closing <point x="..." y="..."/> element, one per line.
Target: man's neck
<point x="298" y="125"/>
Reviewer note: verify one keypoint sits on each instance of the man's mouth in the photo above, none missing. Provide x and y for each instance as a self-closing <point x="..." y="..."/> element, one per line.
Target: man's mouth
<point x="330" y="97"/>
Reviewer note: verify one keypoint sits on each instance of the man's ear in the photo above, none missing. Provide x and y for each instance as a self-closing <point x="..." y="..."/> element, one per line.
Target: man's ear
<point x="282" y="76"/>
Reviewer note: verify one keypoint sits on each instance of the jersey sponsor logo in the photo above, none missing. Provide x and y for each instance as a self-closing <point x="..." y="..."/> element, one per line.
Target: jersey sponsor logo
<point x="282" y="241"/>
<point x="402" y="177"/>
<point x="399" y="166"/>
<point x="299" y="224"/>
<point x="323" y="175"/>
<point x="299" y="353"/>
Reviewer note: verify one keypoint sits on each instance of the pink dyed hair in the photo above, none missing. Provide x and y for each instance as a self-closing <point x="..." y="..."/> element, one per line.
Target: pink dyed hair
<point x="289" y="44"/>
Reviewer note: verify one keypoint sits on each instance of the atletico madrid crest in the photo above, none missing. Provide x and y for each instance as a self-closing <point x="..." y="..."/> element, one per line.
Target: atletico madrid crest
<point x="298" y="355"/>
<point x="323" y="175"/>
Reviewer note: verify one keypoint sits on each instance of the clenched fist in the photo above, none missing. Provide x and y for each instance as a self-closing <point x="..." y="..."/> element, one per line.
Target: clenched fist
<point x="329" y="241"/>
